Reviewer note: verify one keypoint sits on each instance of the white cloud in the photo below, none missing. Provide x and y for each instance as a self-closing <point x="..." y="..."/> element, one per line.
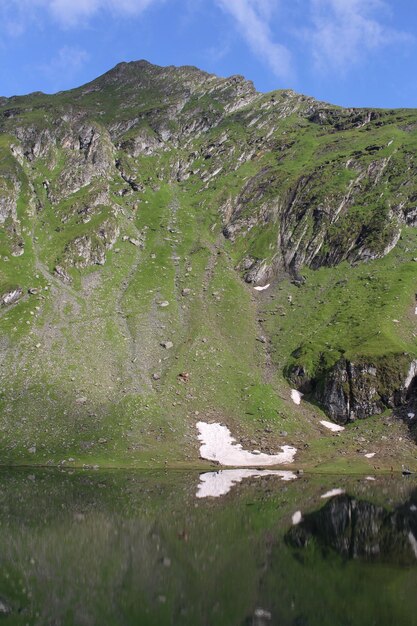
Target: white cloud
<point x="253" y="18"/>
<point x="69" y="13"/>
<point x="68" y="61"/>
<point x="70" y="58"/>
<point x="344" y="31"/>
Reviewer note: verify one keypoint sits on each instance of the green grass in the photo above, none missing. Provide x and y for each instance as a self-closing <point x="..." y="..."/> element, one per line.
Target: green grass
<point x="100" y="336"/>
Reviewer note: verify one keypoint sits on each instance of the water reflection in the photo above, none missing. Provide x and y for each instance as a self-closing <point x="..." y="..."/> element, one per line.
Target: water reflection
<point x="115" y="548"/>
<point x="361" y="530"/>
<point x="216" y="484"/>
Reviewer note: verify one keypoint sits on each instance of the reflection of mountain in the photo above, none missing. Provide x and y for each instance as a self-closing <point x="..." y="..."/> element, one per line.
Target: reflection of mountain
<point x="361" y="530"/>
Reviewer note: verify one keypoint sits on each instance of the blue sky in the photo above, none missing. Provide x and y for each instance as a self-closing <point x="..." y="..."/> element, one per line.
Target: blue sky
<point x="349" y="52"/>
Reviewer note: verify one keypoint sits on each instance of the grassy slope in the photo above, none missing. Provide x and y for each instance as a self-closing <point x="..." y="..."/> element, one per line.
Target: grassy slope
<point x="100" y="337"/>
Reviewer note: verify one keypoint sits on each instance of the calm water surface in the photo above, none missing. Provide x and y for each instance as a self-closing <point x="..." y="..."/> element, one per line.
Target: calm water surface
<point x="142" y="549"/>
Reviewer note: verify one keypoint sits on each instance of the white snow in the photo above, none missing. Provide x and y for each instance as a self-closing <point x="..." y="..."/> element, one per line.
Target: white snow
<point x="411" y="373"/>
<point x="331" y="426"/>
<point x="410" y="415"/>
<point x="370" y="478"/>
<point x="296" y="396"/>
<point x="415" y="310"/>
<point x="216" y="484"/>
<point x="370" y="455"/>
<point x="217" y="444"/>
<point x="333" y="492"/>
<point x="262" y="288"/>
<point x="296" y="518"/>
<point x="413" y="508"/>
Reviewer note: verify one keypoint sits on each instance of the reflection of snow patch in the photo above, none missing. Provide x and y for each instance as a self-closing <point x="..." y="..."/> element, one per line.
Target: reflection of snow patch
<point x="261" y="288"/>
<point x="262" y="614"/>
<point x="217" y="484"/>
<point x="370" y="455"/>
<point x="296" y="518"/>
<point x="413" y="543"/>
<point x="219" y="445"/>
<point x="333" y="492"/>
<point x="331" y="426"/>
<point x="296" y="396"/>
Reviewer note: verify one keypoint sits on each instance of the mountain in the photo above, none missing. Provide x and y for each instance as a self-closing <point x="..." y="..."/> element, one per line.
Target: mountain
<point x="141" y="216"/>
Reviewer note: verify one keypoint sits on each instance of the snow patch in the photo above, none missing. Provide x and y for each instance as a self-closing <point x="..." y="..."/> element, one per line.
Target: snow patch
<point x="262" y="288"/>
<point x="410" y="415"/>
<point x="370" y="478"/>
<point x="411" y="373"/>
<point x="296" y="518"/>
<point x="296" y="396"/>
<point x="216" y="484"/>
<point x="331" y="426"/>
<point x="370" y="455"/>
<point x="217" y="444"/>
<point x="333" y="492"/>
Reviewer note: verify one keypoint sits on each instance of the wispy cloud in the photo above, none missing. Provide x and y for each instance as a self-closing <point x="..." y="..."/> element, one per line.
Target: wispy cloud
<point x="70" y="12"/>
<point x="345" y="31"/>
<point x="18" y="14"/>
<point x="253" y="21"/>
<point x="68" y="61"/>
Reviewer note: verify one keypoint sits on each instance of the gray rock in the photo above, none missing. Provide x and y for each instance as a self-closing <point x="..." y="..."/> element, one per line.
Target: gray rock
<point x="62" y="274"/>
<point x="12" y="296"/>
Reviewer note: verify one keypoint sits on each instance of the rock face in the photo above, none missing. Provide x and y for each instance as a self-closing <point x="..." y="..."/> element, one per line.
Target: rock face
<point x="350" y="391"/>
<point x="91" y="249"/>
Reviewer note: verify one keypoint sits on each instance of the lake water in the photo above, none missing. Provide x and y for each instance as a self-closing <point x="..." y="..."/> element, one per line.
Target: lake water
<point x="106" y="548"/>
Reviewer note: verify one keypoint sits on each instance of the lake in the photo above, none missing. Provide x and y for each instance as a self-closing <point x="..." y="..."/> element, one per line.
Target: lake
<point x="171" y="548"/>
